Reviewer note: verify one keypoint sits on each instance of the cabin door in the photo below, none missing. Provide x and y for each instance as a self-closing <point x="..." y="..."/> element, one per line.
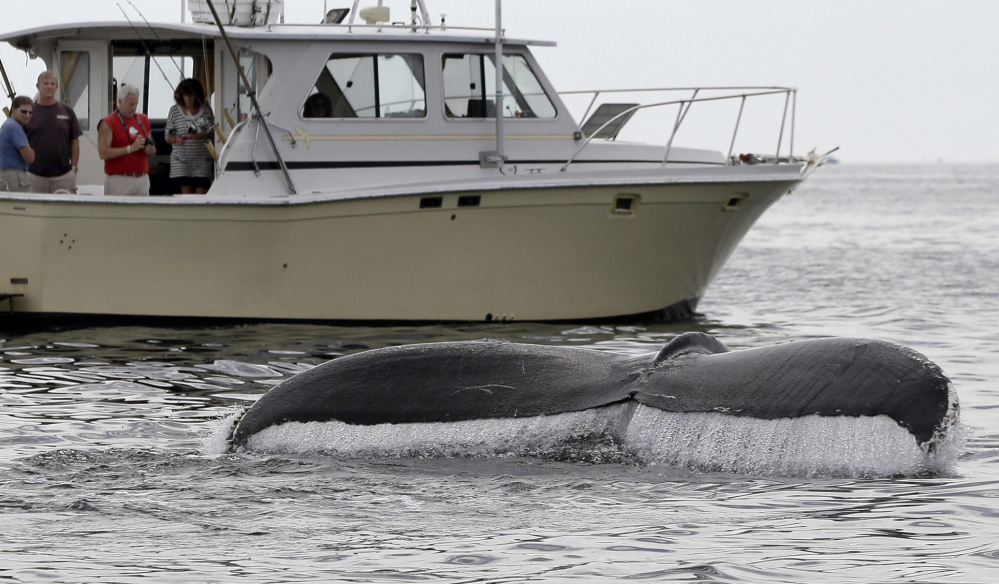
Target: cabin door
<point x="82" y="68"/>
<point x="231" y="100"/>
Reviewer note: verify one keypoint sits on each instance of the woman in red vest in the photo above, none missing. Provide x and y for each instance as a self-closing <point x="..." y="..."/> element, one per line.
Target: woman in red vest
<point x="124" y="145"/>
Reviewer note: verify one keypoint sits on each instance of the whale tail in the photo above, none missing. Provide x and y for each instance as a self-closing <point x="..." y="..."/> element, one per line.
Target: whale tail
<point x="824" y="377"/>
<point x="833" y="378"/>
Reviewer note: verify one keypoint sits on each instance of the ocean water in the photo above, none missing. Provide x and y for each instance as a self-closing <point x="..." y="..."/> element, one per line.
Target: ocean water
<point x="114" y="468"/>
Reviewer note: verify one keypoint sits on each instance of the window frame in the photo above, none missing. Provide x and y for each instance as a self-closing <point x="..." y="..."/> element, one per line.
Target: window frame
<point x="377" y="96"/>
<point x="531" y="66"/>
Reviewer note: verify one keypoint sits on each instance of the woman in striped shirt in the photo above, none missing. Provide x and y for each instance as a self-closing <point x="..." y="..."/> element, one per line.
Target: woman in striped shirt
<point x="189" y="125"/>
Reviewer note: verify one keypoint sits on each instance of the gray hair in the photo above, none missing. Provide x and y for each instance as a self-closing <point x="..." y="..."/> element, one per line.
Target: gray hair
<point x="125" y="90"/>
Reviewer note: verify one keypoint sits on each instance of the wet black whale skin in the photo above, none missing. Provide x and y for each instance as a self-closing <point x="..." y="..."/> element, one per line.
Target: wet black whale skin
<point x="447" y="382"/>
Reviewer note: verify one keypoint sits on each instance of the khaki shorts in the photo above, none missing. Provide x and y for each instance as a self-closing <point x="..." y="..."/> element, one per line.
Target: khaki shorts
<point x="126" y="186"/>
<point x="14" y="180"/>
<point x="51" y="184"/>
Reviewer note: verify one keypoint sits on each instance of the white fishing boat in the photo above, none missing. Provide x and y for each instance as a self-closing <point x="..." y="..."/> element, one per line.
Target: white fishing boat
<point x="412" y="201"/>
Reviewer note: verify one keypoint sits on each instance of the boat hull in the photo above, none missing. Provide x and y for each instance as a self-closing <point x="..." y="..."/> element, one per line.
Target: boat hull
<point x="561" y="253"/>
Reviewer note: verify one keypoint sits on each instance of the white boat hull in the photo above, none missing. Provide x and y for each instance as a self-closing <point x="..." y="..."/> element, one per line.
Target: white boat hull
<point x="553" y="253"/>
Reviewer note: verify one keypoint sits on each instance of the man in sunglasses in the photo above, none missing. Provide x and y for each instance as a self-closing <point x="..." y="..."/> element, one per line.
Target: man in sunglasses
<point x="15" y="153"/>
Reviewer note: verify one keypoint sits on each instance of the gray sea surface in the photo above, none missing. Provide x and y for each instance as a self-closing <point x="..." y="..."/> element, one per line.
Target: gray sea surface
<point x="112" y="467"/>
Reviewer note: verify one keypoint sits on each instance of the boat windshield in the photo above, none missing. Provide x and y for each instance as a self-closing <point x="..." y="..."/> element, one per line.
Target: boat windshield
<point x="470" y="82"/>
<point x="368" y="86"/>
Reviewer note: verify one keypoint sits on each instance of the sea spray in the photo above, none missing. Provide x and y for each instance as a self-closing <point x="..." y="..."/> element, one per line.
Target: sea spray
<point x="866" y="446"/>
<point x="807" y="446"/>
<point x="489" y="437"/>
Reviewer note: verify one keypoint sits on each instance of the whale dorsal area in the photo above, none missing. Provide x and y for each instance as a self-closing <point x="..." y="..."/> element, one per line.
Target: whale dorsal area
<point x="690" y="344"/>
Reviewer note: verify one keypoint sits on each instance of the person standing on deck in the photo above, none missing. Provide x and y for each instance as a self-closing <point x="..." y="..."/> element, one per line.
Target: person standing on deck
<point x="125" y="147"/>
<point x="189" y="126"/>
<point x="54" y="134"/>
<point x="15" y="152"/>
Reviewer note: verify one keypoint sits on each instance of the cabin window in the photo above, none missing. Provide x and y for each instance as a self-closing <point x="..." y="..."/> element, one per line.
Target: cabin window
<point x="368" y="86"/>
<point x="257" y="68"/>
<point x="155" y="76"/>
<point x="470" y="88"/>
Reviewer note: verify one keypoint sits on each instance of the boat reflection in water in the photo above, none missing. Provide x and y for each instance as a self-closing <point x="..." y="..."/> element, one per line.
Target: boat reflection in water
<point x="405" y="197"/>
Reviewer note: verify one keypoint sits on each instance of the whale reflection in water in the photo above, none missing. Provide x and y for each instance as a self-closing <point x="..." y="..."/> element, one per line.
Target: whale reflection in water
<point x="840" y="405"/>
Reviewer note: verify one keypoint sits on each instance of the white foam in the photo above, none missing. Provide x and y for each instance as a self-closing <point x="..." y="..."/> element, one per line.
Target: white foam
<point x="218" y="441"/>
<point x="489" y="437"/>
<point x="805" y="446"/>
<point x="708" y="442"/>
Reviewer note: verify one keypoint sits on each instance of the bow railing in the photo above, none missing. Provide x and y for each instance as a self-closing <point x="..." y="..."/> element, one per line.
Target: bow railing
<point x="734" y="93"/>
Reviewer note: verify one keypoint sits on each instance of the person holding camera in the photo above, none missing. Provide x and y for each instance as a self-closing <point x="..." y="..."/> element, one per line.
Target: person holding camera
<point x="124" y="145"/>
<point x="189" y="126"/>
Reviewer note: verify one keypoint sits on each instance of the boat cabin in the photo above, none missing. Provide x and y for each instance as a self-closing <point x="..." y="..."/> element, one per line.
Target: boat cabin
<point x="349" y="109"/>
<point x="342" y="96"/>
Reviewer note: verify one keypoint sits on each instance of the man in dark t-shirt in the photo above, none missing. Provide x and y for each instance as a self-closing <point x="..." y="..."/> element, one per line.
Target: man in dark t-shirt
<point x="54" y="134"/>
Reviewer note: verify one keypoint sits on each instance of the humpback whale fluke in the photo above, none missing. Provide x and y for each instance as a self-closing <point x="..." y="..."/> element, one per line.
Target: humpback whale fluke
<point x="694" y="373"/>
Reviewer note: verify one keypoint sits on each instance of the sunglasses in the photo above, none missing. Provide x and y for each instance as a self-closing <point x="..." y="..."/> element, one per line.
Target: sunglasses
<point x="26" y="112"/>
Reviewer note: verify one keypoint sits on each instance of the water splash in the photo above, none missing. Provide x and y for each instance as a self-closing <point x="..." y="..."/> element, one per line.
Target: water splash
<point x="489" y="437"/>
<point x="218" y="441"/>
<point x="865" y="446"/>
<point x="869" y="446"/>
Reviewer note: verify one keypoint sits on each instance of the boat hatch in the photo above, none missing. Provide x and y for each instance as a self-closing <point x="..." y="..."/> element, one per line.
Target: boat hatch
<point x="597" y="125"/>
<point x="431" y="202"/>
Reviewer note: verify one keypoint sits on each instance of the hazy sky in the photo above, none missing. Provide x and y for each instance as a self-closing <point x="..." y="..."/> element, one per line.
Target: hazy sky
<point x="885" y="80"/>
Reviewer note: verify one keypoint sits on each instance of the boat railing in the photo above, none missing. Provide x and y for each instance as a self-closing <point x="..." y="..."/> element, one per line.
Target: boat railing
<point x="684" y="105"/>
<point x="220" y="159"/>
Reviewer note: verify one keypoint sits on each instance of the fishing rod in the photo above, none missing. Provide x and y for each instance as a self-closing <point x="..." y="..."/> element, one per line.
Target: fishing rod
<point x="145" y="48"/>
<point x="153" y="30"/>
<point x="8" y="86"/>
<point x="253" y="98"/>
<point x="180" y="69"/>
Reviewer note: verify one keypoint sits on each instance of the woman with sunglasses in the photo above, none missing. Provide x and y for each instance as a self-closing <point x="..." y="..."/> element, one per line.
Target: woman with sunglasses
<point x="15" y="153"/>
